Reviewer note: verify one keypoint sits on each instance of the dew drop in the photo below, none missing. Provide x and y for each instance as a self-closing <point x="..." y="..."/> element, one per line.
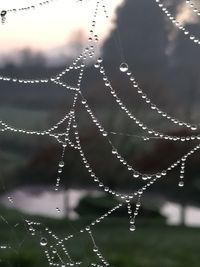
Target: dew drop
<point x="31" y="228"/>
<point x="61" y="164"/>
<point x="136" y="174"/>
<point x="95" y="249"/>
<point x="43" y="241"/>
<point x="58" y="209"/>
<point x="132" y="228"/>
<point x="123" y="67"/>
<point x="10" y="199"/>
<point x="3" y="13"/>
<point x="3" y="247"/>
<point x="54" y="251"/>
<point x="181" y="184"/>
<point x="114" y="151"/>
<point x="59" y="170"/>
<point x="107" y="83"/>
<point x="144" y="177"/>
<point x="193" y="127"/>
<point x="84" y="101"/>
<point x="97" y="65"/>
<point x="105" y="134"/>
<point x="99" y="60"/>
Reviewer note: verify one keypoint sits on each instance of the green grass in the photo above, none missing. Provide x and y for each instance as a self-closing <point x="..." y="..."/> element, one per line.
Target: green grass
<point x="151" y="245"/>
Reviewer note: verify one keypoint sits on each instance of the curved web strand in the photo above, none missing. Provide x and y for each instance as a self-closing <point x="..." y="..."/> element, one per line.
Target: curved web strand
<point x="75" y="65"/>
<point x="56" y="248"/>
<point x="99" y="182"/>
<point x="8" y="127"/>
<point x="129" y="197"/>
<point x="138" y="122"/>
<point x="186" y="32"/>
<point x="26" y="8"/>
<point x="64" y="145"/>
<point x="193" y="7"/>
<point x="153" y="106"/>
<point x="135" y="173"/>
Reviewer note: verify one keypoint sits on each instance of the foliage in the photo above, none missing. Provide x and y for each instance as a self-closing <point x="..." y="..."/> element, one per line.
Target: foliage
<point x="152" y="245"/>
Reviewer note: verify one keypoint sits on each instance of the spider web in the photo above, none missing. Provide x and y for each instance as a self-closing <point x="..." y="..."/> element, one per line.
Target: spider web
<point x="66" y="133"/>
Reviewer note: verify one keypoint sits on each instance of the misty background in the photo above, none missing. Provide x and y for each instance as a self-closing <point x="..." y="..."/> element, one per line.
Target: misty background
<point x="166" y="65"/>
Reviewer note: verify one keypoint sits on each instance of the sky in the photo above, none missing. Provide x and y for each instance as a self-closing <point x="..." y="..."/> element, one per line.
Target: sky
<point x="50" y="28"/>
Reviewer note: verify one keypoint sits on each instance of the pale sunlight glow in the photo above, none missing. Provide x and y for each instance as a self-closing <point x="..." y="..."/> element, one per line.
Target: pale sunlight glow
<point x="53" y="25"/>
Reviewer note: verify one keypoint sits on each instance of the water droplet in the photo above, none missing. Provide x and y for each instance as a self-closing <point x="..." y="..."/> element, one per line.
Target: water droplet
<point x="105" y="134"/>
<point x="3" y="13"/>
<point x="3" y="247"/>
<point x="59" y="170"/>
<point x="3" y="16"/>
<point x="31" y="228"/>
<point x="132" y="228"/>
<point x="193" y="127"/>
<point x="114" y="151"/>
<point x="95" y="249"/>
<point x="136" y="174"/>
<point x="99" y="60"/>
<point x="107" y="83"/>
<point x="10" y="199"/>
<point x="84" y="101"/>
<point x="96" y="65"/>
<point x="61" y="164"/>
<point x="123" y="67"/>
<point x="43" y="241"/>
<point x="181" y="184"/>
<point x="58" y="209"/>
<point x="144" y="177"/>
<point x="54" y="251"/>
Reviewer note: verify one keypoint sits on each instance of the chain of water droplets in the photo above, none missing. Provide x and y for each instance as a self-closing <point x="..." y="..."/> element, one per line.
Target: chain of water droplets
<point x="124" y="197"/>
<point x="56" y="79"/>
<point x="106" y="189"/>
<point x="61" y="164"/>
<point x="147" y="138"/>
<point x="89" y="50"/>
<point x="125" y="69"/>
<point x="5" y="12"/>
<point x="49" y="132"/>
<point x="69" y="116"/>
<point x="139" y="193"/>
<point x="135" y="173"/>
<point x="191" y="37"/>
<point x="51" y="251"/>
<point x="194" y="9"/>
<point x="138" y="122"/>
<point x="64" y="145"/>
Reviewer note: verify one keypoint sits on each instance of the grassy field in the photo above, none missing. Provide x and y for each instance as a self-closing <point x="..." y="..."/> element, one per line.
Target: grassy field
<point x="151" y="245"/>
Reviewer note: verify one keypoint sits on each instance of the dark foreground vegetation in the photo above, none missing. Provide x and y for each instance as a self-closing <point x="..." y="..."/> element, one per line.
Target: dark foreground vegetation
<point x="153" y="244"/>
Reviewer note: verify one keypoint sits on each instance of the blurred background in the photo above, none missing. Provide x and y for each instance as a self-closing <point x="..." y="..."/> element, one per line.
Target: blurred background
<point x="40" y="43"/>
